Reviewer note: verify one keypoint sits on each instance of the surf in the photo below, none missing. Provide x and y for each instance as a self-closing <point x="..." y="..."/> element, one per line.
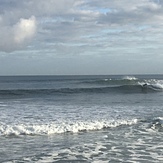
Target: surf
<point x="61" y="127"/>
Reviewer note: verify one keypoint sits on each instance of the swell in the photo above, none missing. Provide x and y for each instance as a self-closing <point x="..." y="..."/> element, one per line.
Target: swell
<point x="112" y="89"/>
<point x="112" y="81"/>
<point x="127" y="84"/>
<point x="124" y="81"/>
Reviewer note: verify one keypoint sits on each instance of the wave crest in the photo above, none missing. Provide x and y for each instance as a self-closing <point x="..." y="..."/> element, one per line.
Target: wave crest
<point x="129" y="78"/>
<point x="64" y="127"/>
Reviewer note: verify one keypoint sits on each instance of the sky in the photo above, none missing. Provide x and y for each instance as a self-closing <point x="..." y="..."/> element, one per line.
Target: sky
<point x="81" y="37"/>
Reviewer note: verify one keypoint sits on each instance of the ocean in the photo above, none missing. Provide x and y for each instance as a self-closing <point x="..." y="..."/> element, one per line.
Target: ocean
<point x="81" y="119"/>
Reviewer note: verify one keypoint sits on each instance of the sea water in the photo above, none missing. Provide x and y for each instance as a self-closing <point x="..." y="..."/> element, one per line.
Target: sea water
<point x="81" y="119"/>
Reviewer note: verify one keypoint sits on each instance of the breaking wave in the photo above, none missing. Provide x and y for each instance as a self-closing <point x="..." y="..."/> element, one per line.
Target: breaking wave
<point x="64" y="127"/>
<point x="116" y="89"/>
<point x="127" y="84"/>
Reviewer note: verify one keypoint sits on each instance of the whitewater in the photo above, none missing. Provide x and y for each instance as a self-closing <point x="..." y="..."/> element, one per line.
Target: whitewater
<point x="74" y="119"/>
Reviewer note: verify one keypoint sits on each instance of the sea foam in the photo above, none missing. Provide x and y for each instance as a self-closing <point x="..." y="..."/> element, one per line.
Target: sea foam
<point x="129" y="78"/>
<point x="54" y="128"/>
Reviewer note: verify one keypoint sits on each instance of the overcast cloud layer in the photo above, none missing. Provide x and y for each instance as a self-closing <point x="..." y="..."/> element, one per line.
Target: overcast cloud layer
<point x="81" y="36"/>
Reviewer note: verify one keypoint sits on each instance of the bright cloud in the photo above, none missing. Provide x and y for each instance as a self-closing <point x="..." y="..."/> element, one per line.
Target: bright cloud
<point x="24" y="30"/>
<point x="15" y="36"/>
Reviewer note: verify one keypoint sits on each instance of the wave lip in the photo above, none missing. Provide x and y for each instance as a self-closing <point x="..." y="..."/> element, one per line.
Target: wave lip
<point x="129" y="78"/>
<point x="64" y="127"/>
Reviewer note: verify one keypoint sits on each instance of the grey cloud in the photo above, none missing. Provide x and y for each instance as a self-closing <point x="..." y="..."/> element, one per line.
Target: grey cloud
<point x="61" y="32"/>
<point x="67" y="21"/>
<point x="15" y="19"/>
<point x="124" y="12"/>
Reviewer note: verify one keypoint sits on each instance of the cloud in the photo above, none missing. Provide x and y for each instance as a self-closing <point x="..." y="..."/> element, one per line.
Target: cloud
<point x="71" y="21"/>
<point x="124" y="12"/>
<point x="16" y="36"/>
<point x="115" y="30"/>
<point x="24" y="30"/>
<point x="18" y="26"/>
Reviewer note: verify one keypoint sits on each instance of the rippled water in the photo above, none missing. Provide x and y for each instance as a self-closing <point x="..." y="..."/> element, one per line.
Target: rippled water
<point x="97" y="119"/>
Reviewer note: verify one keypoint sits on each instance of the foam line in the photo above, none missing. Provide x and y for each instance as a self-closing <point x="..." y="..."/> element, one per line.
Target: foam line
<point x="52" y="128"/>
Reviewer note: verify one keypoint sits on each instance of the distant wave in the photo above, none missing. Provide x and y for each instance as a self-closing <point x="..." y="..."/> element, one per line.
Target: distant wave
<point x="126" y="80"/>
<point x="64" y="127"/>
<point x="127" y="84"/>
<point x="111" y="81"/>
<point x="116" y="89"/>
<point x="129" y="78"/>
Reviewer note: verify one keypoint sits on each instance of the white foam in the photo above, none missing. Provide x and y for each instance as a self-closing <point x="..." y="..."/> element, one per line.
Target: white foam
<point x="53" y="128"/>
<point x="155" y="83"/>
<point x="129" y="78"/>
<point x="160" y="118"/>
<point x="157" y="86"/>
